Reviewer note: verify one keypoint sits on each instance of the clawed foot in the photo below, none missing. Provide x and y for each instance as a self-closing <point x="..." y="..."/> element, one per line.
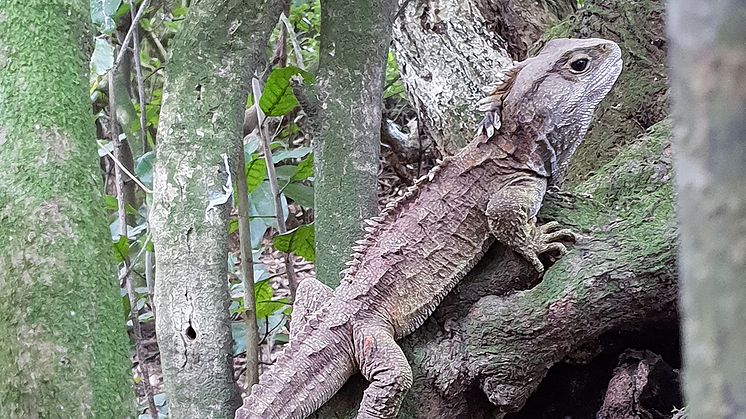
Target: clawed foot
<point x="547" y="239"/>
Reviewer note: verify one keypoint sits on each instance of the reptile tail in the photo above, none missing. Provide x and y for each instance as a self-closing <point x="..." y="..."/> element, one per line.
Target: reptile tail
<point x="307" y="374"/>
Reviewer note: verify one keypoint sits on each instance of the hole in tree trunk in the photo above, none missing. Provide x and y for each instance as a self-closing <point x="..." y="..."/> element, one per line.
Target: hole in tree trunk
<point x="191" y="333"/>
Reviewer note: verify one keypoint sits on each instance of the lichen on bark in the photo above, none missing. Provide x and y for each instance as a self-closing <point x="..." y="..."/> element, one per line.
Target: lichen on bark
<point x="207" y="83"/>
<point x="64" y="350"/>
<point x="355" y="38"/>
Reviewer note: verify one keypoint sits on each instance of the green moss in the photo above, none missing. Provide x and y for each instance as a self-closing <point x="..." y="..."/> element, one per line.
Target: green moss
<point x="638" y="99"/>
<point x="633" y="193"/>
<point x="562" y="29"/>
<point x="59" y="296"/>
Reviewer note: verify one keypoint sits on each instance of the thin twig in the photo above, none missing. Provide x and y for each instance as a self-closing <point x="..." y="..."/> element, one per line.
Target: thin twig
<point x="273" y="186"/>
<point x="293" y="40"/>
<point x="150" y="277"/>
<point x="122" y="216"/>
<point x="159" y="46"/>
<point x="247" y="271"/>
<point x="133" y="25"/>
<point x="124" y="169"/>
<point x="138" y="74"/>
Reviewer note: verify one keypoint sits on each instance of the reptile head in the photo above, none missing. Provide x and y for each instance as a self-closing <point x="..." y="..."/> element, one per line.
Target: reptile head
<point x="548" y="100"/>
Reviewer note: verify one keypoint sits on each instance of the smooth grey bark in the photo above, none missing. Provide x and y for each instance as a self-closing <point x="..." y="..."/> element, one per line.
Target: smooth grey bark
<point x="355" y="37"/>
<point x="63" y="350"/>
<point x="708" y="62"/>
<point x="207" y="83"/>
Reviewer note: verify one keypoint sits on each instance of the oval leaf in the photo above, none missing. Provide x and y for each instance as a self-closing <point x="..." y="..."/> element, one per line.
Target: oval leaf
<point x="278" y="98"/>
<point x="299" y="241"/>
<point x="102" y="59"/>
<point x="102" y="13"/>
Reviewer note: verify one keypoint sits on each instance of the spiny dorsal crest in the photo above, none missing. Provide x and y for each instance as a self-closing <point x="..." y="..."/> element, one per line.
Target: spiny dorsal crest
<point x="493" y="103"/>
<point x="373" y="226"/>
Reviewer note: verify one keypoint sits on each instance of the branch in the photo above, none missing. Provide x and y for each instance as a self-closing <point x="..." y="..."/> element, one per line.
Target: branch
<point x="125" y="270"/>
<point x="130" y="32"/>
<point x="619" y="275"/>
<point x="273" y="185"/>
<point x="247" y="271"/>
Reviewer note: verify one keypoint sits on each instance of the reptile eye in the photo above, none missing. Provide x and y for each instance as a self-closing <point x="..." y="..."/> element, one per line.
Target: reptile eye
<point x="580" y="65"/>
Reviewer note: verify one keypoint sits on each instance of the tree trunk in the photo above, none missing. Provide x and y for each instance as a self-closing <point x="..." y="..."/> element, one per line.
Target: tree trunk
<point x="207" y="83"/>
<point x="63" y="348"/>
<point x="355" y="38"/>
<point x="488" y="346"/>
<point x="709" y="68"/>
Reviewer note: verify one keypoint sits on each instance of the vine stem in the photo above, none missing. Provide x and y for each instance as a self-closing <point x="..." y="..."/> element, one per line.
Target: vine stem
<point x="273" y="185"/>
<point x="125" y="271"/>
<point x="247" y="271"/>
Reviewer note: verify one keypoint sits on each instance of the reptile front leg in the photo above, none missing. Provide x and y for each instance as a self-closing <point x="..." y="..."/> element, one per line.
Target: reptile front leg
<point x="384" y="365"/>
<point x="512" y="219"/>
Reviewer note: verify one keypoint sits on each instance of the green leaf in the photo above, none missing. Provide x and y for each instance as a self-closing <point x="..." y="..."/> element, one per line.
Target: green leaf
<point x="126" y="306"/>
<point x="112" y="204"/>
<point x="102" y="59"/>
<point x="285" y="172"/>
<point x="268" y="308"/>
<point x="256" y="171"/>
<point x="265" y="306"/>
<point x="120" y="249"/>
<point x="262" y="211"/>
<point x="102" y="12"/>
<point x="124" y="9"/>
<point x="304" y="170"/>
<point x="277" y="97"/>
<point x="179" y="11"/>
<point x="233" y="226"/>
<point x="300" y="193"/>
<point x="295" y="153"/>
<point x="144" y="169"/>
<point x="299" y="241"/>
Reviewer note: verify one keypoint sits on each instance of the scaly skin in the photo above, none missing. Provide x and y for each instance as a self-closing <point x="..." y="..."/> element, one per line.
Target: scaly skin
<point x="420" y="247"/>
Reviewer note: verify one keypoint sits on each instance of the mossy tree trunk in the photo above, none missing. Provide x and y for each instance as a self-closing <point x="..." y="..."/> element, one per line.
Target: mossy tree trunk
<point x="355" y="37"/>
<point x="63" y="349"/>
<point x="709" y="67"/>
<point x="207" y="84"/>
<point x="490" y="344"/>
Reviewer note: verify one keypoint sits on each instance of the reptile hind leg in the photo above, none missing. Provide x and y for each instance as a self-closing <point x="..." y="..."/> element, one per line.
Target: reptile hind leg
<point x="512" y="219"/>
<point x="310" y="295"/>
<point x="383" y="364"/>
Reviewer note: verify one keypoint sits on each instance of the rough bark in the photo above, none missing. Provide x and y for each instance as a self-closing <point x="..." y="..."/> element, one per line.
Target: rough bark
<point x="709" y="67"/>
<point x="619" y="277"/>
<point x="482" y="356"/>
<point x="207" y="83"/>
<point x="450" y="50"/>
<point x="355" y="38"/>
<point x="63" y="348"/>
<point x="640" y="97"/>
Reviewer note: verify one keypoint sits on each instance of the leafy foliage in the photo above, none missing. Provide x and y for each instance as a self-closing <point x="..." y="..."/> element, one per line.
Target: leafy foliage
<point x="299" y="241"/>
<point x="278" y="98"/>
<point x="102" y="15"/>
<point x="102" y="59"/>
<point x="305" y="16"/>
